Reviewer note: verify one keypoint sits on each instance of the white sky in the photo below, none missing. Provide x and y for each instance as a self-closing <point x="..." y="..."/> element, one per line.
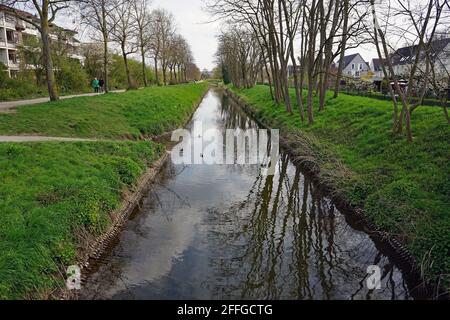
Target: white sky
<point x="194" y="23"/>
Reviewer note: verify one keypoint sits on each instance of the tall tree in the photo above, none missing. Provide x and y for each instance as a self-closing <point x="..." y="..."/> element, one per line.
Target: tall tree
<point x="123" y="23"/>
<point x="423" y="21"/>
<point x="47" y="11"/>
<point x="162" y="30"/>
<point x="96" y="15"/>
<point x="143" y="32"/>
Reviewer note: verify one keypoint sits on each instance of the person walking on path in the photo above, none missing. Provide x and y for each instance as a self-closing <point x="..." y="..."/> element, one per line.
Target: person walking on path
<point x="95" y="85"/>
<point x="101" y="84"/>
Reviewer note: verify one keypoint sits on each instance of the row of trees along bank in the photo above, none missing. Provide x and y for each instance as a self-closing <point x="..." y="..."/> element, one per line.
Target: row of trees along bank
<point x="263" y="37"/>
<point x="129" y="25"/>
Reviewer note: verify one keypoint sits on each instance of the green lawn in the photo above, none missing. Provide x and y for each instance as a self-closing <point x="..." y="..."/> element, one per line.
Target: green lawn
<point x="49" y="193"/>
<point x="133" y="114"/>
<point x="53" y="194"/>
<point x="404" y="188"/>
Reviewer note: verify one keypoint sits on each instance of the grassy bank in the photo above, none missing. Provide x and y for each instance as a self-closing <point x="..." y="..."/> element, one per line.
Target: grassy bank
<point x="55" y="197"/>
<point x="404" y="188"/>
<point x="51" y="194"/>
<point x="133" y="114"/>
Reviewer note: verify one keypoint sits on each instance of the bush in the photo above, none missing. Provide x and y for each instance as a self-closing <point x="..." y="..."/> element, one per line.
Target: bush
<point x="118" y="77"/>
<point x="20" y="88"/>
<point x="71" y="78"/>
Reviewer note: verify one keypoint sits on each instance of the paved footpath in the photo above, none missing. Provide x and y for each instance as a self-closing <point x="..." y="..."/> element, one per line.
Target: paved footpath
<point x="8" y="105"/>
<point x="39" y="138"/>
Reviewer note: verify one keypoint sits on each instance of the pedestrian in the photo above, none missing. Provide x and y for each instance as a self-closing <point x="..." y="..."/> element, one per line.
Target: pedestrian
<point x="95" y="85"/>
<point x="101" y="83"/>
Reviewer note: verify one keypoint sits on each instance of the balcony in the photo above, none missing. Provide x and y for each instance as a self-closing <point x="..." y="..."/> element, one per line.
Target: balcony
<point x="10" y="22"/>
<point x="11" y="45"/>
<point x="20" y="25"/>
<point x="14" y="65"/>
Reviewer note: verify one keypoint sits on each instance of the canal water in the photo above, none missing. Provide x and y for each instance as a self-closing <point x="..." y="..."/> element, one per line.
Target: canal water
<point x="230" y="232"/>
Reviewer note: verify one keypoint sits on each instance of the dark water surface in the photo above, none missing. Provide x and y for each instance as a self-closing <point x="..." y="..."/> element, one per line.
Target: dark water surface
<point x="228" y="232"/>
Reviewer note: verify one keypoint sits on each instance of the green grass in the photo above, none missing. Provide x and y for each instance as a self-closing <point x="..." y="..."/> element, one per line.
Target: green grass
<point x="404" y="188"/>
<point x="55" y="194"/>
<point x="133" y="114"/>
<point x="49" y="193"/>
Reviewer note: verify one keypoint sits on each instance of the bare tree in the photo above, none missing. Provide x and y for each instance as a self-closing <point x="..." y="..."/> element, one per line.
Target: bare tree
<point x="47" y="11"/>
<point x="123" y="23"/>
<point x="420" y="31"/>
<point x="143" y="32"/>
<point x="162" y="30"/>
<point x="180" y="54"/>
<point x="96" y="14"/>
<point x="240" y="54"/>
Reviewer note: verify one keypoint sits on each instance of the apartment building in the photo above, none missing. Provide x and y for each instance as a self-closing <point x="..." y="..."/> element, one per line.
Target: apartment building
<point x="13" y="32"/>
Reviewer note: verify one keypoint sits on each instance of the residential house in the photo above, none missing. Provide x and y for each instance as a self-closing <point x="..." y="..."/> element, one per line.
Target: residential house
<point x="13" y="32"/>
<point x="355" y="66"/>
<point x="378" y="74"/>
<point x="376" y="68"/>
<point x="403" y="58"/>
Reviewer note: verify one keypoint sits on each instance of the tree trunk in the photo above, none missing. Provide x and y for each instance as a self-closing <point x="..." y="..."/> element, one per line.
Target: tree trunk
<point x="144" y="67"/>
<point x="47" y="56"/>
<point x="127" y="69"/>
<point x="105" y="63"/>
<point x="156" y="71"/>
<point x="105" y="48"/>
<point x="343" y="44"/>
<point x="164" y="67"/>
<point x="405" y="110"/>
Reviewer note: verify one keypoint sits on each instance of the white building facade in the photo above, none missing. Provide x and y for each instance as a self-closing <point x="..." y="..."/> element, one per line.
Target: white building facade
<point x="13" y="31"/>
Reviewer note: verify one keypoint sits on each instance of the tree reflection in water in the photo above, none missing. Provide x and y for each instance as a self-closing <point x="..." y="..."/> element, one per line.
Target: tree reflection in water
<point x="288" y="241"/>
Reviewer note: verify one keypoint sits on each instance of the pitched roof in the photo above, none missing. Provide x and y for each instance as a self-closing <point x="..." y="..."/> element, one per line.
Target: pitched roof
<point x="376" y="64"/>
<point x="406" y="55"/>
<point x="348" y="59"/>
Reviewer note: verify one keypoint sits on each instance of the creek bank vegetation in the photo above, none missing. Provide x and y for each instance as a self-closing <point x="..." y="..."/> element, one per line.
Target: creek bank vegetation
<point x="58" y="196"/>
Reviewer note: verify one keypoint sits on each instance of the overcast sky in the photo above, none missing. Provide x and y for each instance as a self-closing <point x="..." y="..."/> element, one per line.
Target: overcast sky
<point x="192" y="23"/>
<point x="195" y="25"/>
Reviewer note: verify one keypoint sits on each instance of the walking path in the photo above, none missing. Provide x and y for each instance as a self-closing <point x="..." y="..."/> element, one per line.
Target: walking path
<point x="39" y="138"/>
<point x="8" y="105"/>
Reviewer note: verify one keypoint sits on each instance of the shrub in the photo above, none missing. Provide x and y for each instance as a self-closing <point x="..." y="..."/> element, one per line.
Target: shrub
<point x="72" y="78"/>
<point x="20" y="88"/>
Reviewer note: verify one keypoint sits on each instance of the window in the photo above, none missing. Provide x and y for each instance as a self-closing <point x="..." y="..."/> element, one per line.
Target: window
<point x="353" y="66"/>
<point x="360" y="66"/>
<point x="12" y="57"/>
<point x="12" y="36"/>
